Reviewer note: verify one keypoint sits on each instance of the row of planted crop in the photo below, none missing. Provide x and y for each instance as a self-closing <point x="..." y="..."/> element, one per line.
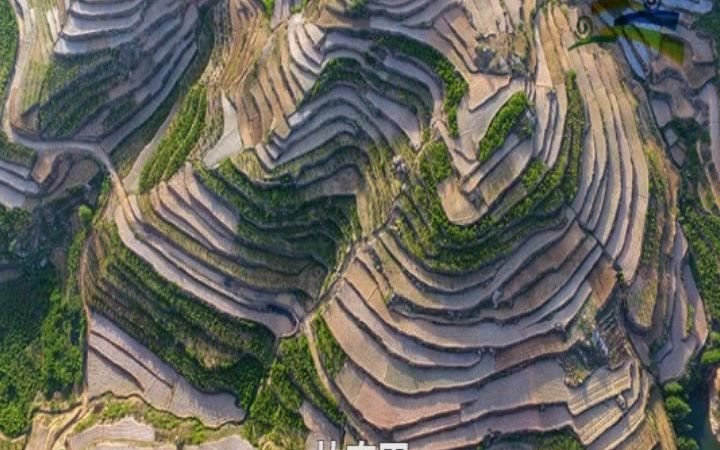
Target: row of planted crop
<point x="182" y="135"/>
<point x="165" y="319"/>
<point x="429" y="235"/>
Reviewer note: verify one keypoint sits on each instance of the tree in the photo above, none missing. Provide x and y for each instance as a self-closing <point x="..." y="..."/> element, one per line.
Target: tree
<point x="674" y="389"/>
<point x="684" y="443"/>
<point x="677" y="408"/>
<point x="85" y="214"/>
<point x="710" y="357"/>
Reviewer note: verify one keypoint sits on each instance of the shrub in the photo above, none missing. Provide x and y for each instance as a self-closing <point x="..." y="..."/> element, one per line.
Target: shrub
<point x="674" y="389"/>
<point x="296" y="354"/>
<point x="560" y="441"/>
<point x="8" y="44"/>
<point x="504" y="122"/>
<point x="86" y="214"/>
<point x="702" y="230"/>
<point x="181" y="137"/>
<point x="338" y="70"/>
<point x="435" y="165"/>
<point x="710" y="357"/>
<point x="40" y="347"/>
<point x="269" y="7"/>
<point x="534" y="173"/>
<point x="291" y="379"/>
<point x="14" y="223"/>
<point x="426" y="232"/>
<point x="690" y="131"/>
<point x="453" y="83"/>
<point x="677" y="408"/>
<point x="120" y="112"/>
<point x="686" y="443"/>
<point x="331" y="354"/>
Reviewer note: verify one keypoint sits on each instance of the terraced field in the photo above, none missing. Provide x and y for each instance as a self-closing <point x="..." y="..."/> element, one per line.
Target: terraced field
<point x="416" y="221"/>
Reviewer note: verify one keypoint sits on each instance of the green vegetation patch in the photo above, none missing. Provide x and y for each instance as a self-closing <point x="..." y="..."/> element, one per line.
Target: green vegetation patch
<point x="168" y="427"/>
<point x="295" y="354"/>
<point x="14" y="226"/>
<point x="678" y="410"/>
<point x="331" y="354"/>
<point x="701" y="227"/>
<point x="534" y="173"/>
<point x="407" y="91"/>
<point x="15" y="153"/>
<point x="425" y="231"/>
<point x="453" y="83"/>
<point x="120" y="112"/>
<point x="181" y="137"/>
<point x="653" y="232"/>
<point x="214" y="351"/>
<point x="20" y="342"/>
<point x="505" y="121"/>
<point x="292" y="380"/>
<point x="268" y="7"/>
<point x="279" y="218"/>
<point x="73" y="90"/>
<point x="338" y="70"/>
<point x="298" y="7"/>
<point x="127" y="151"/>
<point x="40" y="346"/>
<point x="8" y="48"/>
<point x="8" y="44"/>
<point x="42" y="328"/>
<point x="555" y="440"/>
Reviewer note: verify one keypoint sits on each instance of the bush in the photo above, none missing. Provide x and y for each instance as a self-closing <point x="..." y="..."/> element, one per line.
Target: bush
<point x="702" y="230"/>
<point x="559" y="442"/>
<point x="338" y="70"/>
<point x="276" y="215"/>
<point x="182" y="135"/>
<point x="710" y="357"/>
<point x="504" y="122"/>
<point x="674" y="389"/>
<point x="534" y="173"/>
<point x="86" y="215"/>
<point x="14" y="224"/>
<point x="331" y="354"/>
<point x="435" y="165"/>
<point x="710" y="23"/>
<point x="295" y="353"/>
<point x="269" y="7"/>
<point x="677" y="408"/>
<point x="79" y="99"/>
<point x="453" y="83"/>
<point x="120" y="112"/>
<point x="8" y="44"/>
<point x="686" y="443"/>
<point x="690" y="131"/>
